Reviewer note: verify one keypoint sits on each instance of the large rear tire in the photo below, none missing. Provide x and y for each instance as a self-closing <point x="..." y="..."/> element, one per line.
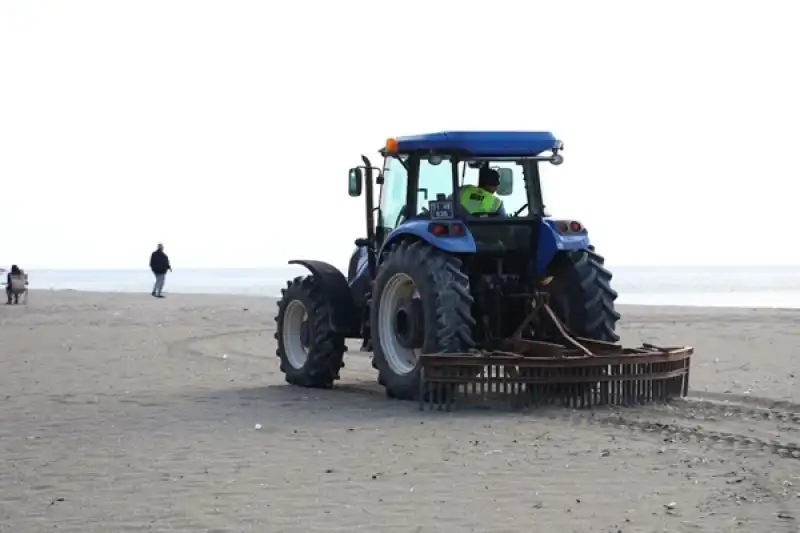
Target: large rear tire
<point x="421" y="302"/>
<point x="585" y="300"/>
<point x="311" y="353"/>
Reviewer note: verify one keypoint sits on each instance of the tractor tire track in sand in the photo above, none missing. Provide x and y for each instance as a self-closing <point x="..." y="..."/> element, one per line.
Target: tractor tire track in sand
<point x="732" y="427"/>
<point x="738" y="424"/>
<point x="733" y="422"/>
<point x="735" y="431"/>
<point x="754" y="443"/>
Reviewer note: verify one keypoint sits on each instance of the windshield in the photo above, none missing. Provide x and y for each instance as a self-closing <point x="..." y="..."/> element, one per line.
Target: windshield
<point x="436" y="182"/>
<point x="436" y="179"/>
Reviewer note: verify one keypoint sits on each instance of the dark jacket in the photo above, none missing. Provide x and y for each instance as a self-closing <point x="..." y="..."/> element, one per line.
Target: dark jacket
<point x="159" y="262"/>
<point x="15" y="271"/>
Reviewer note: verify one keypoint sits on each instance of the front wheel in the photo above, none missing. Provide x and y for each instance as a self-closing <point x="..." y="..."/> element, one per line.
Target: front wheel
<point x="310" y="351"/>
<point x="421" y="303"/>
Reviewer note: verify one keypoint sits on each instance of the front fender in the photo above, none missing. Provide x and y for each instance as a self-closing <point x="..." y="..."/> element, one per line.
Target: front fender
<point x="552" y="242"/>
<point x="343" y="315"/>
<point x="463" y="244"/>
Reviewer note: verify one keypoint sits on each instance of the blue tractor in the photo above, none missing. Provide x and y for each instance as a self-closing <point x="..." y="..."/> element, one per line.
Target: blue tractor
<point x="432" y="276"/>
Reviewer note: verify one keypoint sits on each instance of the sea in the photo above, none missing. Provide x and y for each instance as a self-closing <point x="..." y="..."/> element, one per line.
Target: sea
<point x="712" y="286"/>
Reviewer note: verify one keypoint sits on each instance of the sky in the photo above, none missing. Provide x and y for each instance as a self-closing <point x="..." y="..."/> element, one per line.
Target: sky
<point x="225" y="129"/>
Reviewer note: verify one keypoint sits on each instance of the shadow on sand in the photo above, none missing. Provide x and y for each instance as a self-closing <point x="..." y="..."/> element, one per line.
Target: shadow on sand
<point x="352" y="400"/>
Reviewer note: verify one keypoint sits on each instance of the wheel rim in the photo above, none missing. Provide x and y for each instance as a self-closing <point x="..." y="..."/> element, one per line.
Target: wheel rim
<point x="397" y="293"/>
<point x="295" y="324"/>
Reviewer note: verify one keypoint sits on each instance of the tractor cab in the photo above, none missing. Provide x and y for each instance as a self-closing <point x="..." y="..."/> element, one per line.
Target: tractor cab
<point x="476" y="192"/>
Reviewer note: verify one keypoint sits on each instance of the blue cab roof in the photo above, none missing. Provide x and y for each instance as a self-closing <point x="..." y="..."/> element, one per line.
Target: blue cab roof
<point x="481" y="143"/>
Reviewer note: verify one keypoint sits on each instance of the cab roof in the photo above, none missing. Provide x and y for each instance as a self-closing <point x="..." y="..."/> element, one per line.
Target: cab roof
<point x="481" y="143"/>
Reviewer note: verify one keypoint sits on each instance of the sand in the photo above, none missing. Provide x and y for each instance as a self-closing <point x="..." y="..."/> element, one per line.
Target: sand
<point x="122" y="413"/>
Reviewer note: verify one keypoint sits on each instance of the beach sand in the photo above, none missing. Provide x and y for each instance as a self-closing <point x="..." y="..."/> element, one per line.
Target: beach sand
<point x="123" y="413"/>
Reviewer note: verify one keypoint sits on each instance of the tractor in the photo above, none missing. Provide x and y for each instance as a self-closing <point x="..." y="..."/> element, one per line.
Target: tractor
<point x="436" y="276"/>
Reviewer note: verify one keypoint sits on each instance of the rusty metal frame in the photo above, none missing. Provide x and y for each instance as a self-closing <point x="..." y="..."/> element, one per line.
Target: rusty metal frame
<point x="577" y="372"/>
<point x="579" y="382"/>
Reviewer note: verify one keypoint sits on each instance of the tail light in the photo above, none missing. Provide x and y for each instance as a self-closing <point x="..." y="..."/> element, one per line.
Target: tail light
<point x="440" y="230"/>
<point x="566" y="227"/>
<point x="446" y="230"/>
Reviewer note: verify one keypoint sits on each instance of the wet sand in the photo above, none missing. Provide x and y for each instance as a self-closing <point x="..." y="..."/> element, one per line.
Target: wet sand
<point x="123" y="413"/>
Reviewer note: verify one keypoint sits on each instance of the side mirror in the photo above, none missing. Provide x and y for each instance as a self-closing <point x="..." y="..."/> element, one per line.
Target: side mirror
<point x="506" y="186"/>
<point x="354" y="181"/>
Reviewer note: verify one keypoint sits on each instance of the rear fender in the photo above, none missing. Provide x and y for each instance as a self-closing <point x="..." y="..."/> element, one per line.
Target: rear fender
<point x="418" y="229"/>
<point x="343" y="315"/>
<point x="551" y="243"/>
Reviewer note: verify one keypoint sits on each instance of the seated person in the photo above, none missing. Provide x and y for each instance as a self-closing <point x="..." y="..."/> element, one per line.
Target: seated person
<point x="16" y="283"/>
<point x="481" y="198"/>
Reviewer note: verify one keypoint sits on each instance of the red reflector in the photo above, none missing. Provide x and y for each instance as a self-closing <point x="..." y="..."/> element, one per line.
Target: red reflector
<point x="458" y="229"/>
<point x="575" y="226"/>
<point x="562" y="227"/>
<point x="438" y="229"/>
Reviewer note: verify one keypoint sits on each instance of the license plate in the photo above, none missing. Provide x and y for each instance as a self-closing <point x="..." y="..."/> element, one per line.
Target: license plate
<point x="440" y="209"/>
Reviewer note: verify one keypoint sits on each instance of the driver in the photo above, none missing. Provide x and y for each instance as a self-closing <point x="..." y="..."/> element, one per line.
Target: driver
<point x="481" y="198"/>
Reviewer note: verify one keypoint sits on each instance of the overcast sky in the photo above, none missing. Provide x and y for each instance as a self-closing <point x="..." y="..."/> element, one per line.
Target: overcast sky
<point x="225" y="128"/>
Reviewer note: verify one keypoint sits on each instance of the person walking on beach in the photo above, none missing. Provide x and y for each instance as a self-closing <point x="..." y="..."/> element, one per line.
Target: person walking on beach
<point x="159" y="264"/>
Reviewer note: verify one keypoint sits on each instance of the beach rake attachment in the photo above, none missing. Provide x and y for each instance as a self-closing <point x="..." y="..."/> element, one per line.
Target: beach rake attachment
<point x="575" y="372"/>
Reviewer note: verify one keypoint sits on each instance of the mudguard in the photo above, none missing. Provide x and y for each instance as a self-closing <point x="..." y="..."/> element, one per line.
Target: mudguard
<point x="464" y="244"/>
<point x="344" y="318"/>
<point x="552" y="242"/>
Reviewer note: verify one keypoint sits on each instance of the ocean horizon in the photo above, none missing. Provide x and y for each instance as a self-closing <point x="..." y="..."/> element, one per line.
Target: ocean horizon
<point x="707" y="286"/>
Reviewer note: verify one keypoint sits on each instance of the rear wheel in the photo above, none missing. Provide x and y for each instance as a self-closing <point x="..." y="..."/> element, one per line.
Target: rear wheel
<point x="585" y="300"/>
<point x="420" y="303"/>
<point x="311" y="353"/>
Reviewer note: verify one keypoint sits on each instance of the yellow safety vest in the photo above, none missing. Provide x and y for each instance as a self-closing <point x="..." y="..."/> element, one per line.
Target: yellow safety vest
<point x="477" y="200"/>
